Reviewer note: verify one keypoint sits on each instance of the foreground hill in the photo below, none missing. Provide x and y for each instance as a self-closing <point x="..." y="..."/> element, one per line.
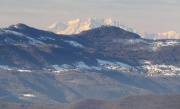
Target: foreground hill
<point x="108" y="62"/>
<point x="131" y="102"/>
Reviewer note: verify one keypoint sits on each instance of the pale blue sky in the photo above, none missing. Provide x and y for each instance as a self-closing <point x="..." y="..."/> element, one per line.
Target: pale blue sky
<point x="143" y="15"/>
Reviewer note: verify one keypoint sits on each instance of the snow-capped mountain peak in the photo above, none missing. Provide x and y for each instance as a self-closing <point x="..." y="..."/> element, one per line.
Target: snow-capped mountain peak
<point x="164" y="35"/>
<point x="74" y="21"/>
<point x="169" y="35"/>
<point x="58" y="26"/>
<point x="79" y="25"/>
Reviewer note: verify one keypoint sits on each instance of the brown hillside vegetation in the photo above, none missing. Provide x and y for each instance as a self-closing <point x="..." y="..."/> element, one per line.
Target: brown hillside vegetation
<point x="130" y="102"/>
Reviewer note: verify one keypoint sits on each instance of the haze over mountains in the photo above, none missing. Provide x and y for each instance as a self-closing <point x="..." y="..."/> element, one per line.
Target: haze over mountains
<point x="107" y="62"/>
<point x="79" y="25"/>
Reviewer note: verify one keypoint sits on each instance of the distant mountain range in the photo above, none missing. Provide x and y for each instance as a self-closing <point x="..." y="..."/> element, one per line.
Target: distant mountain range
<point x="107" y="62"/>
<point x="79" y="25"/>
<point x="165" y="35"/>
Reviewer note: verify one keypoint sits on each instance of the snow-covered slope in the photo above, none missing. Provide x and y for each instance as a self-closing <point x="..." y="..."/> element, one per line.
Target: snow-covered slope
<point x="78" y="25"/>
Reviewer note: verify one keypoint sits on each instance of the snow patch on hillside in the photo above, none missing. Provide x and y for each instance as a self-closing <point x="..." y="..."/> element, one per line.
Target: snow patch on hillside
<point x="82" y="65"/>
<point x="33" y="41"/>
<point x="28" y="95"/>
<point x="46" y="38"/>
<point x="158" y="44"/>
<point x="167" y="43"/>
<point x="13" y="32"/>
<point x="4" y="66"/>
<point x="62" y="68"/>
<point x="56" y="67"/>
<point x="76" y="66"/>
<point x="113" y="65"/>
<point x="74" y="43"/>
<point x="129" y="41"/>
<point x="20" y="70"/>
<point x="162" y="70"/>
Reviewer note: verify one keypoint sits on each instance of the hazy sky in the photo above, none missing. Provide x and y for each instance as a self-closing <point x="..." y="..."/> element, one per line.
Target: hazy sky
<point x="142" y="15"/>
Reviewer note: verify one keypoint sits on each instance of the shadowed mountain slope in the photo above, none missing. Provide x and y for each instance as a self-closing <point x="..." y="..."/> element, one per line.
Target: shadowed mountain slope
<point x="131" y="102"/>
<point x="38" y="66"/>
